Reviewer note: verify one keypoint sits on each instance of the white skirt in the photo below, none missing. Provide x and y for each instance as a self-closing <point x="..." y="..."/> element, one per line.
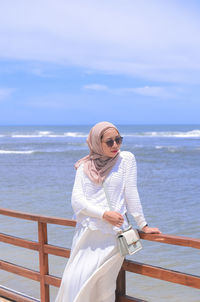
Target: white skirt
<point x="92" y="269"/>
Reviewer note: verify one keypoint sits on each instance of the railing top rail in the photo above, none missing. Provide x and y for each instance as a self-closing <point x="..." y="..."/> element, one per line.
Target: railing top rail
<point x="39" y="218"/>
<point x="172" y="239"/>
<point x="169" y="239"/>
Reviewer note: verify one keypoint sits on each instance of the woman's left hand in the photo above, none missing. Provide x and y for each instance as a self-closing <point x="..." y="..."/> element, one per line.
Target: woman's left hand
<point x="146" y="229"/>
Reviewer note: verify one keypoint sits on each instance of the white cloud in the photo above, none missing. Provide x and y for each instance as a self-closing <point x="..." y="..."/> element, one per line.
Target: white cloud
<point x="97" y="87"/>
<point x="5" y="93"/>
<point x="151" y="91"/>
<point x="156" y="40"/>
<point x="40" y="72"/>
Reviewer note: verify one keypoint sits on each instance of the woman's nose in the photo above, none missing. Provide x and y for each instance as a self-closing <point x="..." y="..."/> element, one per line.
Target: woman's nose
<point x="115" y="144"/>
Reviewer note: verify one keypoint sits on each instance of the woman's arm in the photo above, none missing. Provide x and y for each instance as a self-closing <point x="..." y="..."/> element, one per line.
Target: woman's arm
<point x="80" y="204"/>
<point x="132" y="197"/>
<point x="131" y="193"/>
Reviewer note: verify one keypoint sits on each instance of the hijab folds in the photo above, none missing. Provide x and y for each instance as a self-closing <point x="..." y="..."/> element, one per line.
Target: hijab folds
<point x="96" y="165"/>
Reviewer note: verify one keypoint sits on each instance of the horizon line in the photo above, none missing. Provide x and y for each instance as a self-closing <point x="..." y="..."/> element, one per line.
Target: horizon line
<point x="121" y="124"/>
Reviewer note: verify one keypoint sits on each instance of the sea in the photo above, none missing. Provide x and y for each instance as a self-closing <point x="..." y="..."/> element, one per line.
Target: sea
<point x="37" y="175"/>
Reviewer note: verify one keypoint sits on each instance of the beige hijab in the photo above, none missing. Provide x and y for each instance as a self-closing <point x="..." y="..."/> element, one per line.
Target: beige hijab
<point x="96" y="164"/>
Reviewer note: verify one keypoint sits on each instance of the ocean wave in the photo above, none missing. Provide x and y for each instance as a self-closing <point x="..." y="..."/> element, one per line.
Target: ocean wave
<point x="168" y="148"/>
<point x="188" y="134"/>
<point x="75" y="134"/>
<point x="25" y="136"/>
<point x="16" y="152"/>
<point x="193" y="133"/>
<point x="176" y="149"/>
<point x="32" y="135"/>
<point x="50" y="134"/>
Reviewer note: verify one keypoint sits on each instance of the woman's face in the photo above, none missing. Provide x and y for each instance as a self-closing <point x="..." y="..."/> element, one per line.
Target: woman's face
<point x="109" y="134"/>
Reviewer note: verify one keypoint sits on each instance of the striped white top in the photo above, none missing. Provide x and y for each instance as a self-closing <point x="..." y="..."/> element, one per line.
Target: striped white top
<point x="89" y="201"/>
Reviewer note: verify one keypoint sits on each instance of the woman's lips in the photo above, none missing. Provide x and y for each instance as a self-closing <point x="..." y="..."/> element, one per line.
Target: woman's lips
<point x="114" y="151"/>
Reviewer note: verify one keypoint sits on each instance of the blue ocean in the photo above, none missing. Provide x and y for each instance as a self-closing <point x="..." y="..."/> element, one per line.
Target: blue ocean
<point x="37" y="174"/>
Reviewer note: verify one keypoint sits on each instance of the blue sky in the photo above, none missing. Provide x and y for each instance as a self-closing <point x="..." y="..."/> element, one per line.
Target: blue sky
<point x="80" y="62"/>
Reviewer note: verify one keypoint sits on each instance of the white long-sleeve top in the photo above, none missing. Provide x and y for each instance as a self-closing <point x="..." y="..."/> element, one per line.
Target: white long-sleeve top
<point x="89" y="201"/>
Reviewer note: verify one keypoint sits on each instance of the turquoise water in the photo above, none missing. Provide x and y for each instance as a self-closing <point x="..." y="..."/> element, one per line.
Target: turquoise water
<point x="37" y="174"/>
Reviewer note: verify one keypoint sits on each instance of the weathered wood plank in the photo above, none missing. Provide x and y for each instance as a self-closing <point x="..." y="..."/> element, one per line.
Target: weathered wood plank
<point x="121" y="283"/>
<point x="40" y="218"/>
<point x="52" y="280"/>
<point x="15" y="296"/>
<point x="43" y="260"/>
<point x="19" y="270"/>
<point x="57" y="251"/>
<point x="162" y="273"/>
<point x="33" y="245"/>
<point x="171" y="239"/>
<point x="28" y="244"/>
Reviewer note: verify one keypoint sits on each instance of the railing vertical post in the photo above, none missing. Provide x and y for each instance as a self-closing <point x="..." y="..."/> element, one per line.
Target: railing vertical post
<point x="43" y="260"/>
<point x="121" y="284"/>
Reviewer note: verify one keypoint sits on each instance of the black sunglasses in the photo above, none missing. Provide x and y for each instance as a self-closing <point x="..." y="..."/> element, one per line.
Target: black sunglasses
<point x="117" y="139"/>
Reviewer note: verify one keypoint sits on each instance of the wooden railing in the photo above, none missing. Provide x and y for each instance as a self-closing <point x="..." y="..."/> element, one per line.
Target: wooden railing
<point x="44" y="249"/>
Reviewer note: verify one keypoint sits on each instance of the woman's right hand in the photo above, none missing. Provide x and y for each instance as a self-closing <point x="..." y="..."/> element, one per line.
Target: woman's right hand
<point x="113" y="218"/>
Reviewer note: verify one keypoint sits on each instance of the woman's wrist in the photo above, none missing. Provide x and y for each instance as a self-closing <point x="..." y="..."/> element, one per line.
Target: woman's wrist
<point x="146" y="225"/>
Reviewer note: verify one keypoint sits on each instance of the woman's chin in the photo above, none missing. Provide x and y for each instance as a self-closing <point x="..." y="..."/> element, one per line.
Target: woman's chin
<point x="114" y="153"/>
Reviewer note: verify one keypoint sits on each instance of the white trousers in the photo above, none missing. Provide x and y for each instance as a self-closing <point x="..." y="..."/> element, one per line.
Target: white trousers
<point x="92" y="269"/>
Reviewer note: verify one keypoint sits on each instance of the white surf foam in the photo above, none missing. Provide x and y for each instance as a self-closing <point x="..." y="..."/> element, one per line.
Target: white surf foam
<point x="16" y="152"/>
<point x="193" y="133"/>
<point x="49" y="134"/>
<point x="190" y="134"/>
<point x="75" y="134"/>
<point x="24" y="135"/>
<point x="168" y="148"/>
<point x="44" y="133"/>
<point x="178" y="134"/>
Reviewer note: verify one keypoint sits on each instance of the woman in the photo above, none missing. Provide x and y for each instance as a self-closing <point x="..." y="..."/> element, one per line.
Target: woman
<point x="94" y="263"/>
